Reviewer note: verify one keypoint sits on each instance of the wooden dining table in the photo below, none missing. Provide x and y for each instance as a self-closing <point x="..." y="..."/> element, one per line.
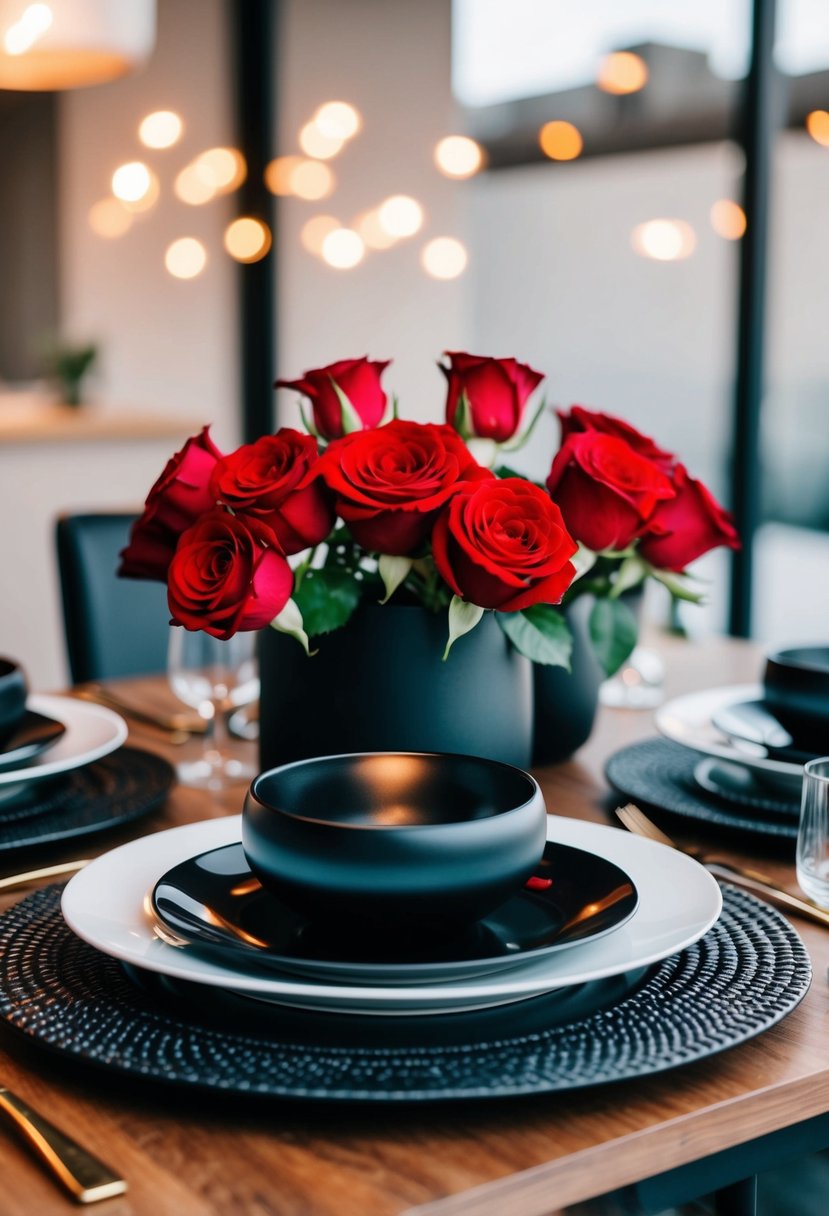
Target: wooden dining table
<point x="639" y="1145"/>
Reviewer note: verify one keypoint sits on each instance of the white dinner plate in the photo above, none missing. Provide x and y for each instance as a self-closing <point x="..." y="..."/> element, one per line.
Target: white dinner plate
<point x="91" y="732"/>
<point x="107" y="904"/>
<point x="689" y="720"/>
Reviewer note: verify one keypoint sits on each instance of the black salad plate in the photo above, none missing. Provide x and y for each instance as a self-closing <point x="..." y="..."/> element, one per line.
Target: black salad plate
<point x="735" y="784"/>
<point x="215" y="903"/>
<point x="661" y="775"/>
<point x="747" y="973"/>
<point x="121" y="787"/>
<point x="33" y="734"/>
<point x="754" y="722"/>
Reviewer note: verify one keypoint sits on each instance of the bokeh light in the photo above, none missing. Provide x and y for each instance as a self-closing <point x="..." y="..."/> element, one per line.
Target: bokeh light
<point x="728" y="219"/>
<point x="226" y="166"/>
<point x="400" y="216"/>
<point x="278" y="174"/>
<point x="161" y="129"/>
<point x="311" y="180"/>
<point x="247" y="239"/>
<point x="560" y="140"/>
<point x="343" y="248"/>
<point x="338" y="120"/>
<point x="817" y="124"/>
<point x="372" y="231"/>
<point x="622" y="72"/>
<point x="315" y="143"/>
<point x="444" y="258"/>
<point x="664" y="240"/>
<point x="185" y="258"/>
<point x="315" y="230"/>
<point x="131" y="182"/>
<point x="33" y="22"/>
<point x="109" y="218"/>
<point x="458" y="156"/>
<point x="194" y="185"/>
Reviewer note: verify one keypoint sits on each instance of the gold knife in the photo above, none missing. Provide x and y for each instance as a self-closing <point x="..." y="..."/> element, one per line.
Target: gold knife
<point x="85" y="1177"/>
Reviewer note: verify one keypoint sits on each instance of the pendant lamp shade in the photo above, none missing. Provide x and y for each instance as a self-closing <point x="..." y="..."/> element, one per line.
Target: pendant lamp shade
<point x="66" y="44"/>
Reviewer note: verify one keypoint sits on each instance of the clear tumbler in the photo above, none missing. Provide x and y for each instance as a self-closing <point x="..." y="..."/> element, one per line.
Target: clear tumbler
<point x="813" y="835"/>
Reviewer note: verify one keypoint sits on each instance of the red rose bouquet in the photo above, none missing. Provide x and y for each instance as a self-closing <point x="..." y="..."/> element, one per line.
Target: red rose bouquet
<point x="295" y="530"/>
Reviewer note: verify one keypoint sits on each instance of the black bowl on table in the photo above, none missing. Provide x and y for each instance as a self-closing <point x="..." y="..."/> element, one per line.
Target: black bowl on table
<point x="12" y="696"/>
<point x="796" y="689"/>
<point x="398" y="841"/>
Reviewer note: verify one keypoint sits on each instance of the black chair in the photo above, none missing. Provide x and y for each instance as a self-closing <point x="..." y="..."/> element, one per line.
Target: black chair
<point x="113" y="626"/>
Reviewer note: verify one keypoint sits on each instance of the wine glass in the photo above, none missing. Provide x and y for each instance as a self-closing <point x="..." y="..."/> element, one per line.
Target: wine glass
<point x="213" y="677"/>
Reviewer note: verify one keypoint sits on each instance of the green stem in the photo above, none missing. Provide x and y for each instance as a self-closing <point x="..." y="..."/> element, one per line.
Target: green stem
<point x="303" y="568"/>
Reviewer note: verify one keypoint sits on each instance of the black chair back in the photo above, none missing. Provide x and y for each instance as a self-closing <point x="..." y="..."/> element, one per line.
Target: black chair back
<point x="113" y="626"/>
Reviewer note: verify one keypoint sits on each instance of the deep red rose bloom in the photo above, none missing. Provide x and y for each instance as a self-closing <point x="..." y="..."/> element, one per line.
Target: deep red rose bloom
<point x="578" y="419"/>
<point x="390" y="483"/>
<point x="606" y="490"/>
<point x="178" y="498"/>
<point x="685" y="527"/>
<point x="226" y="576"/>
<point x="357" y="379"/>
<point x="503" y="544"/>
<point x="277" y="480"/>
<point x="496" y="389"/>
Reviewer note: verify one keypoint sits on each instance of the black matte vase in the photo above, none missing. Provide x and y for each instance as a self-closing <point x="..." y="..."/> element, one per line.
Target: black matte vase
<point x="565" y="702"/>
<point x="379" y="684"/>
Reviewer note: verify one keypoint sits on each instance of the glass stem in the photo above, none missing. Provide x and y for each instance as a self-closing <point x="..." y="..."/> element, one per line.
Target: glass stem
<point x="216" y="738"/>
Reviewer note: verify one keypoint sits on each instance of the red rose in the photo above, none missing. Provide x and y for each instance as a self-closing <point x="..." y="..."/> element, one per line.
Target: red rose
<point x="579" y="419"/>
<point x="179" y="497"/>
<point x="226" y="577"/>
<point x="685" y="527"/>
<point x="503" y="544"/>
<point x="390" y="483"/>
<point x="277" y="479"/>
<point x="357" y="379"/>
<point x="496" y="390"/>
<point x="606" y="490"/>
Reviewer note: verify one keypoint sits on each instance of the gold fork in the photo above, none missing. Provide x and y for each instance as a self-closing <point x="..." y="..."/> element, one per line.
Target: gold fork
<point x="636" y="821"/>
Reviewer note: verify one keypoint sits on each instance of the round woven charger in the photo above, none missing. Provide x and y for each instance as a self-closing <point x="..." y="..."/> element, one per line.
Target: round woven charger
<point x="745" y="974"/>
<point x="122" y="786"/>
<point x="660" y="774"/>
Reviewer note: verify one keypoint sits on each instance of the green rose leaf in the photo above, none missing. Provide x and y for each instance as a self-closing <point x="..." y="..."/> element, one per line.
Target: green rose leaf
<point x="613" y="633"/>
<point x="327" y="598"/>
<point x="462" y="618"/>
<point x="632" y="572"/>
<point x="290" y="621"/>
<point x="393" y="570"/>
<point x="540" y="633"/>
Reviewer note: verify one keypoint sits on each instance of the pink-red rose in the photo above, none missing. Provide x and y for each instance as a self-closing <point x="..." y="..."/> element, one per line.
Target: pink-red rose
<point x="277" y="479"/>
<point x="496" y="391"/>
<point x="180" y="495"/>
<point x="357" y="379"/>
<point x="686" y="526"/>
<point x="606" y="490"/>
<point x="391" y="483"/>
<point x="578" y="419"/>
<point x="226" y="576"/>
<point x="503" y="544"/>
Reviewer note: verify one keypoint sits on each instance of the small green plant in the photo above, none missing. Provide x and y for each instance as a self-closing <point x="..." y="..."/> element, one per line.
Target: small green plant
<point x="69" y="366"/>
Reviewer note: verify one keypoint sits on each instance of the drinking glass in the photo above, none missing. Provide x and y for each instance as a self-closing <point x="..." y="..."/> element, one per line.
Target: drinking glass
<point x="813" y="835"/>
<point x="637" y="684"/>
<point x="213" y="677"/>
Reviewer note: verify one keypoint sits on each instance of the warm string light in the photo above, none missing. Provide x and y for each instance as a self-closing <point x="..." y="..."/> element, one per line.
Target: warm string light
<point x="109" y="218"/>
<point x="728" y="219"/>
<point x="622" y="72"/>
<point x="458" y="156"/>
<point x="161" y="129"/>
<point x="817" y="124"/>
<point x="247" y="239"/>
<point x="315" y="230"/>
<point x="664" y="240"/>
<point x="185" y="258"/>
<point x="343" y="248"/>
<point x="400" y="216"/>
<point x="444" y="258"/>
<point x="560" y="140"/>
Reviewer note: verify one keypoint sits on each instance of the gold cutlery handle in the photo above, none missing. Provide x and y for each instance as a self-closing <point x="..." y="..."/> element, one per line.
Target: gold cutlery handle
<point x="85" y="1177"/>
<point x="20" y="880"/>
<point x="774" y="895"/>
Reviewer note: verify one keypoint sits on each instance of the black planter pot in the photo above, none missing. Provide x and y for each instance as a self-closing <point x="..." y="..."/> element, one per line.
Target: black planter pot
<point x="565" y="702"/>
<point x="379" y="684"/>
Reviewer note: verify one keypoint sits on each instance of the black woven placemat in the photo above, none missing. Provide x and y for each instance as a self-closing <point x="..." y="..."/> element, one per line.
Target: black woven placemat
<point x="122" y="786"/>
<point x="745" y="974"/>
<point x="660" y="774"/>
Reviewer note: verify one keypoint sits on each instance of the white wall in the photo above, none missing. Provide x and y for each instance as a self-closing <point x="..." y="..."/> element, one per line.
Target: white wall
<point x="391" y="60"/>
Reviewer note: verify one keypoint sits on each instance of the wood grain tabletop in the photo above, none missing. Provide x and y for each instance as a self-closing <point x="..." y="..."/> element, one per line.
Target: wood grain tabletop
<point x="186" y="1155"/>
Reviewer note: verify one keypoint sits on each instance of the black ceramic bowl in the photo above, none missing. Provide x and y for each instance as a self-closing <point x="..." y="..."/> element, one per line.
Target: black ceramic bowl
<point x="12" y="696"/>
<point x="395" y="840"/>
<point x="796" y="689"/>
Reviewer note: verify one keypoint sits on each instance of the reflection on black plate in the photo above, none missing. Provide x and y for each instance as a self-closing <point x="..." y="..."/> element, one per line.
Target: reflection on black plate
<point x="31" y="736"/>
<point x="214" y="902"/>
<point x="742" y="977"/>
<point x="660" y="775"/>
<point x="753" y="722"/>
<point x="114" y="790"/>
<point x="735" y="784"/>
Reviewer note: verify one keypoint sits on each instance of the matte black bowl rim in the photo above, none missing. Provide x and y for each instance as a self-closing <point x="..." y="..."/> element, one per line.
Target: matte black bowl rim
<point x="8" y="667"/>
<point x="786" y="658"/>
<point x="535" y="791"/>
